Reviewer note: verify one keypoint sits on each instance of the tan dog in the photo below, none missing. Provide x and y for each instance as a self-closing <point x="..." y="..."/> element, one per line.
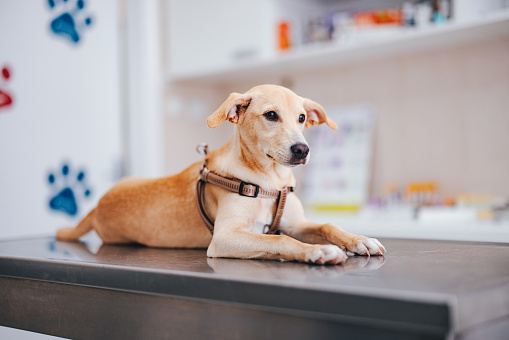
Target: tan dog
<point x="267" y="142"/>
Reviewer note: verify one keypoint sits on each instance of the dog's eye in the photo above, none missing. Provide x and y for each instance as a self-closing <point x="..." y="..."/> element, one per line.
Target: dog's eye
<point x="302" y="119"/>
<point x="271" y="115"/>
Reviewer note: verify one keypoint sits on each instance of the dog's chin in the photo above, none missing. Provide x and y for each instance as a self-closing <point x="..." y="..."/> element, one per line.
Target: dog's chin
<point x="291" y="163"/>
<point x="294" y="163"/>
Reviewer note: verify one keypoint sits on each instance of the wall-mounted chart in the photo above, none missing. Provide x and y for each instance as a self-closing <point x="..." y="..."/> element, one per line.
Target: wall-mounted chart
<point x="339" y="171"/>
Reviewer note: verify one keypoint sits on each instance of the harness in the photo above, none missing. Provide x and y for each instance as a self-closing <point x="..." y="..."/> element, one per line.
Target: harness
<point x="242" y="188"/>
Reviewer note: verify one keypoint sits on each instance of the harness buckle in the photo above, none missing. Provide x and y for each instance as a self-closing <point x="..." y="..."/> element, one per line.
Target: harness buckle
<point x="241" y="189"/>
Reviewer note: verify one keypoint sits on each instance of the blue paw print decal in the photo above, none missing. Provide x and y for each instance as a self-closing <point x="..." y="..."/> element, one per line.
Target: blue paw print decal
<point x="70" y="22"/>
<point x="69" y="189"/>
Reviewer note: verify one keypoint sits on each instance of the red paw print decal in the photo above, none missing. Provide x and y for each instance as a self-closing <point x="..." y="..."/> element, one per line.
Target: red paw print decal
<point x="5" y="96"/>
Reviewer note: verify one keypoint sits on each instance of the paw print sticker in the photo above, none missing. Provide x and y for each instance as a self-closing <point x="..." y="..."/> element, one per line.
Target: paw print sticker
<point x="70" y="21"/>
<point x="5" y="96"/>
<point x="69" y="189"/>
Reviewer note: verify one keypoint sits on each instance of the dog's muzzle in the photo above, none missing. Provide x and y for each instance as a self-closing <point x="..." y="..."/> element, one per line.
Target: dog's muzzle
<point x="299" y="153"/>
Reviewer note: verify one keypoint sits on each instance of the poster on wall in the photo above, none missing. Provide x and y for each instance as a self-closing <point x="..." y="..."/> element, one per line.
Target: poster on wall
<point x="338" y="174"/>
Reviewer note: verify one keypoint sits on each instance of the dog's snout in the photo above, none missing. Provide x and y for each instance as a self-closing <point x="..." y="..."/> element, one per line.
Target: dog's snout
<point x="299" y="151"/>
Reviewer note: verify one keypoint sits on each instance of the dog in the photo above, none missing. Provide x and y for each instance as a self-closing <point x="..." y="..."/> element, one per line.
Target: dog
<point x="180" y="211"/>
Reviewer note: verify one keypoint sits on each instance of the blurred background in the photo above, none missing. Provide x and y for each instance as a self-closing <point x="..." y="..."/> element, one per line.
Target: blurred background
<point x="91" y="91"/>
<point x="94" y="90"/>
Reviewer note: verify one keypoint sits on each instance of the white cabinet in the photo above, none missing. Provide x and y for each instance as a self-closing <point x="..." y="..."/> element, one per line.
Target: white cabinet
<point x="204" y="36"/>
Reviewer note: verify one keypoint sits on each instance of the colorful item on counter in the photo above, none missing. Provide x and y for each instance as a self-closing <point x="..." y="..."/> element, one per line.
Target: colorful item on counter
<point x="387" y="16"/>
<point x="415" y="193"/>
<point x="489" y="207"/>
<point x="481" y="200"/>
<point x="284" y="35"/>
<point x="349" y="24"/>
<point x="319" y="29"/>
<point x="421" y="193"/>
<point x="441" y="10"/>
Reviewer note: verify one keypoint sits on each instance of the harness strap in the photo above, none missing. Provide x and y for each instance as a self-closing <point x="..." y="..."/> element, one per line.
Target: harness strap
<point x="200" y="198"/>
<point x="281" y="201"/>
<point x="243" y="189"/>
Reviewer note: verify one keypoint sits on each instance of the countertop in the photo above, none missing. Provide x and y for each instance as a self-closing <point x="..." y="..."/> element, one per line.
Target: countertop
<point x="434" y="287"/>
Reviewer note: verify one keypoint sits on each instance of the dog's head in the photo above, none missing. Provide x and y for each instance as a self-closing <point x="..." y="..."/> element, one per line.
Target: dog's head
<point x="270" y="121"/>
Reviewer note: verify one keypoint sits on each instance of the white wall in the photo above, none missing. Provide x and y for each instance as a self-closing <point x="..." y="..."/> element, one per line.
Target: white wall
<point x="65" y="111"/>
<point x="441" y="115"/>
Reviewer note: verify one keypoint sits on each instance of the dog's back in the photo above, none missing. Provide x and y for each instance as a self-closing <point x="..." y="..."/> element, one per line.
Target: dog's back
<point x="166" y="203"/>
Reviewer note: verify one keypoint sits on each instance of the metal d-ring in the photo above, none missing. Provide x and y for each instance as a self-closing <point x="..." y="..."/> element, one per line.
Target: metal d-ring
<point x="202" y="149"/>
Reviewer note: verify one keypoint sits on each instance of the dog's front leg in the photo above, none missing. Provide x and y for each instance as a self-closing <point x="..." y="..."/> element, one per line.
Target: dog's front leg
<point x="233" y="239"/>
<point x="297" y="226"/>
<point x="307" y="231"/>
<point x="247" y="245"/>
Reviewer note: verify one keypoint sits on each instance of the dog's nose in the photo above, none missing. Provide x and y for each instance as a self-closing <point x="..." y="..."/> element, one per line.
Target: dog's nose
<point x="299" y="151"/>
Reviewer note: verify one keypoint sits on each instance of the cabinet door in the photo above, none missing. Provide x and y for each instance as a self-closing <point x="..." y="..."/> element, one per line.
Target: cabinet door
<point x="204" y="36"/>
<point x="60" y="144"/>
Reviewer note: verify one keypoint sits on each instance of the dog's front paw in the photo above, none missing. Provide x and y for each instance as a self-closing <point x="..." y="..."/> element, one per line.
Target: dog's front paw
<point x="327" y="254"/>
<point x="368" y="246"/>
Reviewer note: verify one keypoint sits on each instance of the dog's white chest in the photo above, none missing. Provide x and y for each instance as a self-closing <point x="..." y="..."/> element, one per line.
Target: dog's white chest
<point x="265" y="215"/>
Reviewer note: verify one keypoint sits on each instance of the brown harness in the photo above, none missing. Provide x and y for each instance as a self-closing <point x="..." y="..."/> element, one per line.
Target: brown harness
<point x="242" y="188"/>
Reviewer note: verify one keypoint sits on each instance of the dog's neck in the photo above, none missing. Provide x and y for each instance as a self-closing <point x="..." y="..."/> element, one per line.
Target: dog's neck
<point x="236" y="160"/>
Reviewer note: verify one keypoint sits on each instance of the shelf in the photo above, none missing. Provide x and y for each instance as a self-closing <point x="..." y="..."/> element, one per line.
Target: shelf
<point x="335" y="55"/>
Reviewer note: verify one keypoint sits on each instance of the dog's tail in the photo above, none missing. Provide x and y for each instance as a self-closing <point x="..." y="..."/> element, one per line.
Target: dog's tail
<point x="73" y="234"/>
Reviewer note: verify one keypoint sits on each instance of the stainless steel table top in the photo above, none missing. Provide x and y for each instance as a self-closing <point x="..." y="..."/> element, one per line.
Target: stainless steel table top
<point x="438" y="283"/>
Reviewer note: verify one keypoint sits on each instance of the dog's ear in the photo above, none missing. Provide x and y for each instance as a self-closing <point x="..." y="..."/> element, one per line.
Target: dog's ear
<point x="235" y="105"/>
<point x="316" y="114"/>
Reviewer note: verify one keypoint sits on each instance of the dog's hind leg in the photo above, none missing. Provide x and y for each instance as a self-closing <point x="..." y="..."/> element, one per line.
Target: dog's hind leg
<point x="73" y="234"/>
